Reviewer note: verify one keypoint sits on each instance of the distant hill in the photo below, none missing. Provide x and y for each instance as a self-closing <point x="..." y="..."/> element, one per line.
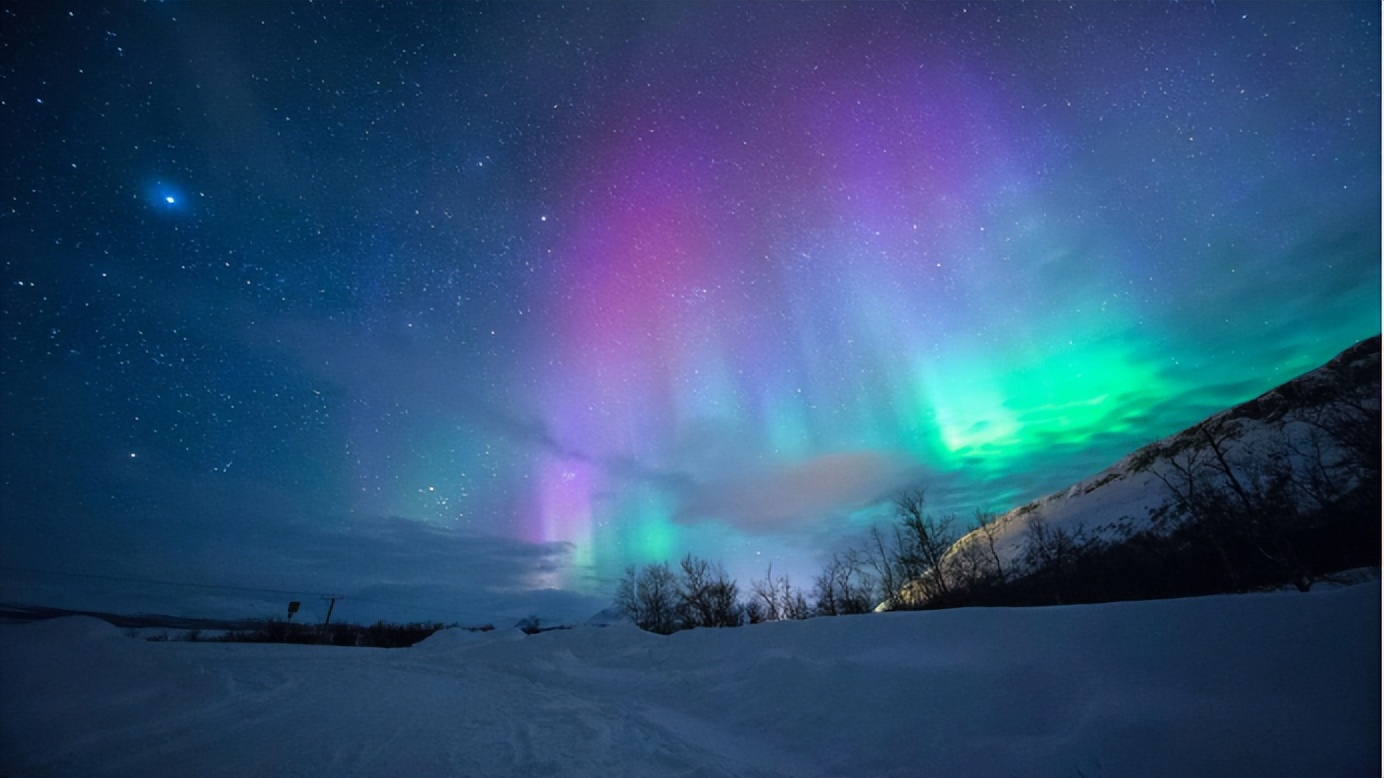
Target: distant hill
<point x="15" y="613"/>
<point x="1268" y="480"/>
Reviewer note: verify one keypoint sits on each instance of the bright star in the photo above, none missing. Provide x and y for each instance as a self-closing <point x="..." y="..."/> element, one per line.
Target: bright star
<point x="166" y="198"/>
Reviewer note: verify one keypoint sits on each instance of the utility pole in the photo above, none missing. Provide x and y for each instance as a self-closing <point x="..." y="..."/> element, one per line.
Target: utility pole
<point x="327" y="621"/>
<point x="330" y="606"/>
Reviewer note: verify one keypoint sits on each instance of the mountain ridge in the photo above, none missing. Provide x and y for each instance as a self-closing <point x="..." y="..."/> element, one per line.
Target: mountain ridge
<point x="1320" y="429"/>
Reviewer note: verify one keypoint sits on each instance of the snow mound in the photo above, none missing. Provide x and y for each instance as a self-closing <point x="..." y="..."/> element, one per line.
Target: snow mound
<point x="69" y="629"/>
<point x="1270" y="684"/>
<point x="453" y="638"/>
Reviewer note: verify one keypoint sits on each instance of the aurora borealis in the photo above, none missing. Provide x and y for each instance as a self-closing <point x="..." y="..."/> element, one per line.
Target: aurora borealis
<point x="443" y="303"/>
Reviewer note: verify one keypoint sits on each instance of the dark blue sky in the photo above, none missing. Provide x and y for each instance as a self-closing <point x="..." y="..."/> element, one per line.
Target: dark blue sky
<point x="442" y="305"/>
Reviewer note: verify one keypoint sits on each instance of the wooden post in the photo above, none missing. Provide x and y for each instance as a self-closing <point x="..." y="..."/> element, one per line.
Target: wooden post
<point x="326" y="623"/>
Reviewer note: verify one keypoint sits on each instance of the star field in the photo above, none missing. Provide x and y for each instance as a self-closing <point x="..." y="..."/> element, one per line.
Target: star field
<point x="452" y="302"/>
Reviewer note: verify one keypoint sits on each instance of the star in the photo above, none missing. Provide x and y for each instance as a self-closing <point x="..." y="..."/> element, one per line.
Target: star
<point x="166" y="198"/>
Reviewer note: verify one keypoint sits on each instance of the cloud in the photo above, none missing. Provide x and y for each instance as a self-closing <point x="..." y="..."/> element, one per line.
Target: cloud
<point x="779" y="497"/>
<point x="236" y="547"/>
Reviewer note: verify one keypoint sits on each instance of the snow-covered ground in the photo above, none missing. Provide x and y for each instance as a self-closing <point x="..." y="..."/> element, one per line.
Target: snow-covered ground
<point x="1263" y="685"/>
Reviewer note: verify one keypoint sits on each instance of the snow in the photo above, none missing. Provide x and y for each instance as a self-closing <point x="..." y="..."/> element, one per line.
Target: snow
<point x="1265" y="684"/>
<point x="1114" y="496"/>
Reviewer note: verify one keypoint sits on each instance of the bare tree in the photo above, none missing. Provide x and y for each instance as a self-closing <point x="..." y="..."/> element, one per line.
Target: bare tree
<point x="990" y="530"/>
<point x="726" y="608"/>
<point x="1247" y="508"/>
<point x="1051" y="553"/>
<point x="649" y="597"/>
<point x="794" y="602"/>
<point x="777" y="599"/>
<point x="754" y="611"/>
<point x="1341" y="451"/>
<point x="707" y="597"/>
<point x="882" y="555"/>
<point x="694" y="598"/>
<point x="626" y="597"/>
<point x="765" y="595"/>
<point x="922" y="543"/>
<point x="844" y="586"/>
<point x="1198" y="513"/>
<point x="974" y="561"/>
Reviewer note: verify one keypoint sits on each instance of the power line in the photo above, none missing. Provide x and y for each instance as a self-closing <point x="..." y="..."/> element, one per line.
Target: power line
<point x="131" y="579"/>
<point x="189" y="585"/>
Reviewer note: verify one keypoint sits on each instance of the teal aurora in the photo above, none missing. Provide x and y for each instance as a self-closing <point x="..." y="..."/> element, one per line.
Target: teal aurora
<point x="447" y="306"/>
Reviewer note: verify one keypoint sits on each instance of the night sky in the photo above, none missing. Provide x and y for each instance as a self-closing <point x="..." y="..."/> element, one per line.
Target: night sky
<point x="439" y="306"/>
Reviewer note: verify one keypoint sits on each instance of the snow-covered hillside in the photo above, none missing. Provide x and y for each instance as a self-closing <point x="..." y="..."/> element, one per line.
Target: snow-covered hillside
<point x="1272" y="684"/>
<point x="1289" y="424"/>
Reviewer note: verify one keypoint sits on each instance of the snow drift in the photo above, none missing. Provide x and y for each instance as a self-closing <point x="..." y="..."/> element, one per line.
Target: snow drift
<point x="1261" y="684"/>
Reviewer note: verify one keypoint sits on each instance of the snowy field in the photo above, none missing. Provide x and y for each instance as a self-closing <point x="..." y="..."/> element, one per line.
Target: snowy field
<point x="1283" y="684"/>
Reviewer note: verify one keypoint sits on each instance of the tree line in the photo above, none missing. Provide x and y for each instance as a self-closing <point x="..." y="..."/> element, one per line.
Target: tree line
<point x="901" y="567"/>
<point x="378" y="635"/>
<point x="1238" y="519"/>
